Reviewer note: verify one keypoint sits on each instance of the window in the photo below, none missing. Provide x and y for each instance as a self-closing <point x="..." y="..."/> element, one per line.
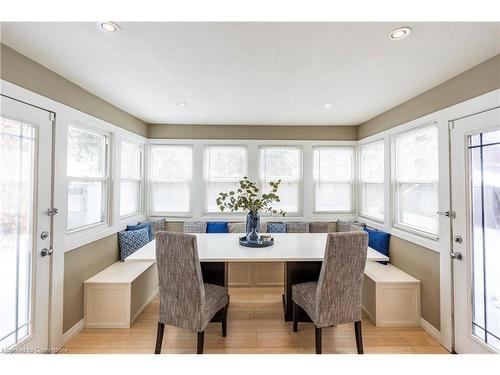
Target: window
<point x="371" y="180"/>
<point x="88" y="178"/>
<point x="285" y="163"/>
<point x="224" y="167"/>
<point x="131" y="179"/>
<point x="171" y="172"/>
<point x="333" y="179"/>
<point x="416" y="180"/>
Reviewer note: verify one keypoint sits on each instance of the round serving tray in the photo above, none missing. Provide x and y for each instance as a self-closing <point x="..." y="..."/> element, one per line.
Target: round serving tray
<point x="244" y="242"/>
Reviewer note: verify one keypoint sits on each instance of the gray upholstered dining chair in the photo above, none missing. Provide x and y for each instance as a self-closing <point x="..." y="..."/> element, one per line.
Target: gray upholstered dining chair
<point x="336" y="297"/>
<point x="185" y="301"/>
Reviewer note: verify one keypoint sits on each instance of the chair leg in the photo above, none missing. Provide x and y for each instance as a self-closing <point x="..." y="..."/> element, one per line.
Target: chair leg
<point x="224" y="320"/>
<point x="359" y="336"/>
<point x="159" y="337"/>
<point x="200" y="342"/>
<point x="295" y="321"/>
<point x="317" y="334"/>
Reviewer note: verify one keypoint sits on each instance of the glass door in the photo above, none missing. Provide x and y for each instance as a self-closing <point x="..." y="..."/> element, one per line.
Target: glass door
<point x="25" y="228"/>
<point x="475" y="157"/>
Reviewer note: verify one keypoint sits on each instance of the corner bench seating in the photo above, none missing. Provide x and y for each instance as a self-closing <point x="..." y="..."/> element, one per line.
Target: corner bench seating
<point x="117" y="295"/>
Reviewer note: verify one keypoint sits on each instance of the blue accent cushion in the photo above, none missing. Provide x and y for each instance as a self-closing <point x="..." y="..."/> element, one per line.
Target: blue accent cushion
<point x="276" y="227"/>
<point x="217" y="227"/>
<point x="143" y="225"/>
<point x="378" y="240"/>
<point x="132" y="240"/>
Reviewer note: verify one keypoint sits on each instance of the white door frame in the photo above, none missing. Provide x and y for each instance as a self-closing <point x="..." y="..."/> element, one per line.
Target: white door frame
<point x="42" y="122"/>
<point x="63" y="116"/>
<point x="460" y="170"/>
<point x="469" y="107"/>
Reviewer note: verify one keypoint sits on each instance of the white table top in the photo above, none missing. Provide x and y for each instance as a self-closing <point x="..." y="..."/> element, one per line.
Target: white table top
<point x="224" y="247"/>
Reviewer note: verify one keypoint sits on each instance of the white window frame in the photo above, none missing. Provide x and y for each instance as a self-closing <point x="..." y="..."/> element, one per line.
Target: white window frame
<point x="205" y="178"/>
<point x="395" y="188"/>
<point x="360" y="182"/>
<point x="140" y="180"/>
<point x="150" y="182"/>
<point x="107" y="179"/>
<point x="262" y="182"/>
<point x="352" y="181"/>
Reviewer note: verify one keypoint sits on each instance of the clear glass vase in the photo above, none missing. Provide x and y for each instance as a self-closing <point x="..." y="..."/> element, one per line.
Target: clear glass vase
<point x="253" y="227"/>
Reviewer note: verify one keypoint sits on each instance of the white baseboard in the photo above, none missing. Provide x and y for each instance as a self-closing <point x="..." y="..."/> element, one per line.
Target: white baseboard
<point x="72" y="332"/>
<point x="430" y="329"/>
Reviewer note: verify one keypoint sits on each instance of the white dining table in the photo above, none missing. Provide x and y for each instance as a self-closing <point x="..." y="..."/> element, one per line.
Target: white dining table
<point x="224" y="247"/>
<point x="301" y="253"/>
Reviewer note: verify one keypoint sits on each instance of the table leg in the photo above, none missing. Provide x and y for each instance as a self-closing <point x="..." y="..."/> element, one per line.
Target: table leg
<point x="296" y="273"/>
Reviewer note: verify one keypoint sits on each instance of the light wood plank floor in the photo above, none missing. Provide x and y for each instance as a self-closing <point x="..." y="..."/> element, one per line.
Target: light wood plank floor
<point x="255" y="325"/>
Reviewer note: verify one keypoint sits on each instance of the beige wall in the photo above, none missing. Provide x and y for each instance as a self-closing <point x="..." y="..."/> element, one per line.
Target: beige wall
<point x="479" y="80"/>
<point x="21" y="71"/>
<point x="339" y="133"/>
<point x="79" y="265"/>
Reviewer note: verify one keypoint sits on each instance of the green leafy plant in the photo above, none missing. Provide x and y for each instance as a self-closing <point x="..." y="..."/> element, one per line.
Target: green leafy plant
<point x="248" y="197"/>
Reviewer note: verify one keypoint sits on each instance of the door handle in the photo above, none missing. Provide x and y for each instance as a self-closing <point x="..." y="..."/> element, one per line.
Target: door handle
<point x="451" y="214"/>
<point x="46" y="252"/>
<point x="456" y="255"/>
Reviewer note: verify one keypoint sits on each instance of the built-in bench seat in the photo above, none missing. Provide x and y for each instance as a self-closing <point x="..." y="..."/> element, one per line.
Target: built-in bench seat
<point x="390" y="296"/>
<point x="117" y="295"/>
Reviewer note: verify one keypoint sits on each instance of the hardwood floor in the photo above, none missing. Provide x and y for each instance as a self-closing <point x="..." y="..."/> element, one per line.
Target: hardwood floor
<point x="255" y="325"/>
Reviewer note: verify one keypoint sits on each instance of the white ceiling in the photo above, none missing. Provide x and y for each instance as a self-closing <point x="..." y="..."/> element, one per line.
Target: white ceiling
<point x="255" y="73"/>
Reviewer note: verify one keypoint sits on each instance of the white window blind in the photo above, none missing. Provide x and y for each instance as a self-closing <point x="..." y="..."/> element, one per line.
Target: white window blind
<point x="333" y="179"/>
<point x="171" y="173"/>
<point x="88" y="178"/>
<point x="131" y="179"/>
<point x="225" y="166"/>
<point x="283" y="163"/>
<point x="416" y="180"/>
<point x="372" y="180"/>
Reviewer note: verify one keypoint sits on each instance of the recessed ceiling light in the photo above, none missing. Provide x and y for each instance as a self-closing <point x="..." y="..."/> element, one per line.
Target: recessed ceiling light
<point x="181" y="104"/>
<point x="108" y="26"/>
<point x="399" y="33"/>
<point x="328" y="105"/>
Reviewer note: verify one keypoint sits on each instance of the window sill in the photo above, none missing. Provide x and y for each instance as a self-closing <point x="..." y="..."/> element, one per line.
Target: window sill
<point x="84" y="237"/>
<point x="426" y="242"/>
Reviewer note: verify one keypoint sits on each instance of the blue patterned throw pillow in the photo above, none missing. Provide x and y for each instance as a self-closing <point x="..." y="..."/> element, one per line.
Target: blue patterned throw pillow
<point x="143" y="225"/>
<point x="276" y="227"/>
<point x="132" y="240"/>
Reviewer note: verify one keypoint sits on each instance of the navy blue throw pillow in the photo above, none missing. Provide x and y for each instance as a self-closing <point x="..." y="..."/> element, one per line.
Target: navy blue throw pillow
<point x="217" y="227"/>
<point x="143" y="225"/>
<point x="132" y="240"/>
<point x="276" y="227"/>
<point x="378" y="240"/>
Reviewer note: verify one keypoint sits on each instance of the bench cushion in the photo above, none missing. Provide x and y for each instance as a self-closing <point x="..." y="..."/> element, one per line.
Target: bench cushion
<point x="132" y="240"/>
